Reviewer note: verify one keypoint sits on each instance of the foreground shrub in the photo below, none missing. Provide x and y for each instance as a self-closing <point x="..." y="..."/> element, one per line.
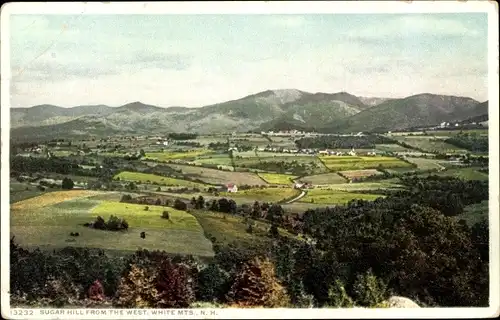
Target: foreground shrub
<point x="137" y="289"/>
<point x="369" y="290"/>
<point x="174" y="285"/>
<point x="256" y="285"/>
<point x="213" y="284"/>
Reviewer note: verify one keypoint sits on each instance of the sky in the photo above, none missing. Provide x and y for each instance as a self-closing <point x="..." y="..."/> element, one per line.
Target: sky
<point x="196" y="60"/>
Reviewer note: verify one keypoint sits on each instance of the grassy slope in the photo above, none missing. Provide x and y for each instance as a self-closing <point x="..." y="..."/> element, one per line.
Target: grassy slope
<point x="144" y="177"/>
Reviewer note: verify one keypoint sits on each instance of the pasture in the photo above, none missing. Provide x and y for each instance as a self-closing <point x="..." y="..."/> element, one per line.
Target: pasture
<point x="425" y="164"/>
<point x="356" y="174"/>
<point x="169" y="155"/>
<point x="213" y="176"/>
<point x="49" y="226"/>
<point x="152" y="178"/>
<point x="343" y="163"/>
<point x="262" y="194"/>
<point x="325" y="178"/>
<point x="463" y="173"/>
<point x="391" y="148"/>
<point x="276" y="178"/>
<point x="327" y="196"/>
<point x="430" y="144"/>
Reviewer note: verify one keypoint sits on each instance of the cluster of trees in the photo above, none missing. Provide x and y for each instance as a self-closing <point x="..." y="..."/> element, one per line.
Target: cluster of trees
<point x="189" y="144"/>
<point x="224" y="146"/>
<point x="182" y="136"/>
<point x="470" y="141"/>
<point x="152" y="279"/>
<point x="341" y="142"/>
<point x="113" y="224"/>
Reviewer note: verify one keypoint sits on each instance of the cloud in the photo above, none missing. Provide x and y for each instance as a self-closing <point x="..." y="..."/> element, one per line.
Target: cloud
<point x="412" y="26"/>
<point x="287" y="21"/>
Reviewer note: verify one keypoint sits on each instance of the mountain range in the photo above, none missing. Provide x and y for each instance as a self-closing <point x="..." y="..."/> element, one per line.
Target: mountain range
<point x="268" y="110"/>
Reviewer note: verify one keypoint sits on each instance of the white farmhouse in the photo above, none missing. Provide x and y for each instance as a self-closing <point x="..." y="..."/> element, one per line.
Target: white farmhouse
<point x="231" y="187"/>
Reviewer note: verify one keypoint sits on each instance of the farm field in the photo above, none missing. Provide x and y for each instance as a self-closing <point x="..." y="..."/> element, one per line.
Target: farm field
<point x="152" y="178"/>
<point x="21" y="191"/>
<point x="221" y="160"/>
<point x="51" y="198"/>
<point x="276" y="178"/>
<point x="365" y="186"/>
<point x="166" y="156"/>
<point x="326" y="178"/>
<point x="430" y="144"/>
<point x="51" y="225"/>
<point x="326" y="196"/>
<point x="227" y="229"/>
<point x="213" y="176"/>
<point x="264" y="194"/>
<point x="463" y="173"/>
<point x="425" y="164"/>
<point x="391" y="148"/>
<point x="343" y="163"/>
<point x="354" y="174"/>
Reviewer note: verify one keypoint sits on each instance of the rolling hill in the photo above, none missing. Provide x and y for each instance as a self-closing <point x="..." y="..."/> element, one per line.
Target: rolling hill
<point x="268" y="110"/>
<point x="414" y="111"/>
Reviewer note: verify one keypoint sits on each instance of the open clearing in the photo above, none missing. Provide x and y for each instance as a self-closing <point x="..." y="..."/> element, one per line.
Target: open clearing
<point x="263" y="195"/>
<point x="430" y="144"/>
<point x="166" y="156"/>
<point x="49" y="227"/>
<point x="343" y="163"/>
<point x="51" y="198"/>
<point x="152" y="178"/>
<point x="354" y="174"/>
<point x="213" y="176"/>
<point x="276" y="178"/>
<point x="391" y="148"/>
<point x="326" y="196"/>
<point x="463" y="173"/>
<point x="326" y="178"/>
<point x="425" y="164"/>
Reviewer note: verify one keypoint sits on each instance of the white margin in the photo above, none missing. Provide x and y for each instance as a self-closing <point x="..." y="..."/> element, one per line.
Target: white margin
<point x="261" y="7"/>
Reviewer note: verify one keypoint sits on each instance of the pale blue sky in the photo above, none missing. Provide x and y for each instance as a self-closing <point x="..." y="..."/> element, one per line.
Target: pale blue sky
<point x="195" y="60"/>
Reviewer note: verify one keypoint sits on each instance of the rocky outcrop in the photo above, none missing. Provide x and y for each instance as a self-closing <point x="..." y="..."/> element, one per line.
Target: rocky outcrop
<point x="400" y="302"/>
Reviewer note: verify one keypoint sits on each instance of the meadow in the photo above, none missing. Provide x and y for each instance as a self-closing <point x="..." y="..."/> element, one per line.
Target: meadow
<point x="276" y="178"/>
<point x="152" y="178"/>
<point x="355" y="174"/>
<point x="263" y="195"/>
<point x="327" y="196"/>
<point x="430" y="144"/>
<point x="325" y="178"/>
<point x="169" y="155"/>
<point x="49" y="226"/>
<point x="425" y="164"/>
<point x="343" y="163"/>
<point x="463" y="173"/>
<point x="214" y="176"/>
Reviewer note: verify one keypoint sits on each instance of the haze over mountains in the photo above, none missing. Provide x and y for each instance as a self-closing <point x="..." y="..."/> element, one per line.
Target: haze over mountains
<point x="267" y="110"/>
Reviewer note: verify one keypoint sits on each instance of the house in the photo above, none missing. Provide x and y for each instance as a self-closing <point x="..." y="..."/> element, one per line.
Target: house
<point x="165" y="143"/>
<point x="298" y="185"/>
<point x="233" y="149"/>
<point x="323" y="152"/>
<point x="231" y="187"/>
<point x="352" y="152"/>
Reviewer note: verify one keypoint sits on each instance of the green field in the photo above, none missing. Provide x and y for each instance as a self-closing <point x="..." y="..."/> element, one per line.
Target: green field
<point x="263" y="195"/>
<point x="430" y="144"/>
<point x="214" y="176"/>
<point x="391" y="148"/>
<point x="343" y="163"/>
<point x="326" y="196"/>
<point x="326" y="178"/>
<point x="463" y="173"/>
<point x="49" y="227"/>
<point x="365" y="186"/>
<point x="425" y="164"/>
<point x="167" y="156"/>
<point x="152" y="178"/>
<point x="276" y="178"/>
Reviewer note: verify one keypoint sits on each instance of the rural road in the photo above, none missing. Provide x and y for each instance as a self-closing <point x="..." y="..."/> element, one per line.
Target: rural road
<point x="303" y="193"/>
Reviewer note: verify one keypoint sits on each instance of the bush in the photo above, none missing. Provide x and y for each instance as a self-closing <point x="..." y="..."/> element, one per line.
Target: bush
<point x="180" y="205"/>
<point x="369" y="290"/>
<point x="137" y="289"/>
<point x="126" y="198"/>
<point x="174" y="285"/>
<point x="256" y="285"/>
<point x="213" y="284"/>
<point x="67" y="184"/>
<point x="165" y="215"/>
